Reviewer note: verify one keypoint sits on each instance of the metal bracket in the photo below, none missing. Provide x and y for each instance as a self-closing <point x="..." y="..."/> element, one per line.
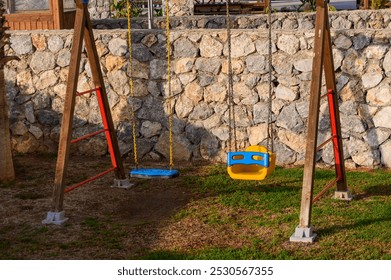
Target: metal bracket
<point x="122" y="184"/>
<point x="55" y="218"/>
<point x="343" y="195"/>
<point x="303" y="234"/>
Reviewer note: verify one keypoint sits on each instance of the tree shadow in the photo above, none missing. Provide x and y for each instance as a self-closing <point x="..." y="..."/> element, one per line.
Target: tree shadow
<point x="361" y="223"/>
<point x="375" y="190"/>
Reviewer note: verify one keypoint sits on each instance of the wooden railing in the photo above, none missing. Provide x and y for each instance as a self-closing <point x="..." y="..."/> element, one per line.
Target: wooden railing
<point x="213" y="7"/>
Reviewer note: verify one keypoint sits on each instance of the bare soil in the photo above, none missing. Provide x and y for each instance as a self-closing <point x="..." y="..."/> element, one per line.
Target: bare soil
<point x="104" y="222"/>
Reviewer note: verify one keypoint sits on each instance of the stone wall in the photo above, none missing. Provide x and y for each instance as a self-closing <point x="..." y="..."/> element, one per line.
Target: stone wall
<point x="36" y="90"/>
<point x="100" y="9"/>
<point x="360" y="19"/>
<point x="180" y="8"/>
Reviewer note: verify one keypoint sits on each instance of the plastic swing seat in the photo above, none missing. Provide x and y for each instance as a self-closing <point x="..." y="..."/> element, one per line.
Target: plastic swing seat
<point x="154" y="173"/>
<point x="255" y="163"/>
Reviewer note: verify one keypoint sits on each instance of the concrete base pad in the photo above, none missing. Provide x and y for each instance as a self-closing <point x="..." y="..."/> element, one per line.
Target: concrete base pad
<point x="122" y="184"/>
<point x="303" y="235"/>
<point x="345" y="195"/>
<point x="55" y="218"/>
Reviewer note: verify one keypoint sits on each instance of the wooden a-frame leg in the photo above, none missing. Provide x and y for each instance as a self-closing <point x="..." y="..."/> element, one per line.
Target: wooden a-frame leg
<point x="69" y="108"/>
<point x="56" y="215"/>
<point x="304" y="232"/>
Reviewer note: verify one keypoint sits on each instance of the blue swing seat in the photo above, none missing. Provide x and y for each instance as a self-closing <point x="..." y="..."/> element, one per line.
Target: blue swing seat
<point x="154" y="173"/>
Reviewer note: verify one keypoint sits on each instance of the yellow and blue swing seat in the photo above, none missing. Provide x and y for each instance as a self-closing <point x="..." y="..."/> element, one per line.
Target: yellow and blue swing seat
<point x="154" y="173"/>
<point x="255" y="163"/>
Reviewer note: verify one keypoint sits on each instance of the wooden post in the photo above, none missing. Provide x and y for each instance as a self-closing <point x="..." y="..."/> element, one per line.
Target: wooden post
<point x="313" y="119"/>
<point x="69" y="107"/>
<point x="323" y="59"/>
<point x="7" y="172"/>
<point x="57" y="8"/>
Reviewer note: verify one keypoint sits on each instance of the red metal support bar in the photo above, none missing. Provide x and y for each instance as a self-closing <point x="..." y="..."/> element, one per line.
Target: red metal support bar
<point x="108" y="137"/>
<point x="88" y="136"/>
<point x="334" y="138"/>
<point x="89" y="180"/>
<point x="85" y="92"/>
<point x="106" y="127"/>
<point x="334" y="133"/>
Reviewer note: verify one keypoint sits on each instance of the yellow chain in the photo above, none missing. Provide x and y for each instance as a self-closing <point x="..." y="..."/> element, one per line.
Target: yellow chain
<point x="170" y="122"/>
<point x="130" y="44"/>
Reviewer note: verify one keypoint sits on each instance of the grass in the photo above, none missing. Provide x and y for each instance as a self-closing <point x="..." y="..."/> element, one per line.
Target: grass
<point x="221" y="218"/>
<point x="360" y="229"/>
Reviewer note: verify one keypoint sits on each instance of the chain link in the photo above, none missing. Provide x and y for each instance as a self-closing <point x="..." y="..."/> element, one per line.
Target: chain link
<point x="134" y="124"/>
<point x="231" y="105"/>
<point x="270" y="136"/>
<point x="170" y="115"/>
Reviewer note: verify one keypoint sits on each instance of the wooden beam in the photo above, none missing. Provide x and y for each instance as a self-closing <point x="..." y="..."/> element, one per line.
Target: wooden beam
<point x="57" y="9"/>
<point x="7" y="172"/>
<point x="313" y="119"/>
<point x="69" y="107"/>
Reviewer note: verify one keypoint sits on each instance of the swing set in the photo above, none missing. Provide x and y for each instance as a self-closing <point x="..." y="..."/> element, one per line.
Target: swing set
<point x="256" y="162"/>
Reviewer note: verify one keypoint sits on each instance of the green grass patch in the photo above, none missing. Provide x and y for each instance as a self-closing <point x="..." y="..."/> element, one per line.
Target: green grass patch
<point x="360" y="227"/>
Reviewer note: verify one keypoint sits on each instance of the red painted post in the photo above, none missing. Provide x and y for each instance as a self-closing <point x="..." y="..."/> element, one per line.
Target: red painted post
<point x="334" y="133"/>
<point x="106" y="127"/>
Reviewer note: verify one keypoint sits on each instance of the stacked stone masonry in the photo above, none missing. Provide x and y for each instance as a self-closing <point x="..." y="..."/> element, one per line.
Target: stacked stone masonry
<point x="36" y="89"/>
<point x="360" y="19"/>
<point x="100" y="9"/>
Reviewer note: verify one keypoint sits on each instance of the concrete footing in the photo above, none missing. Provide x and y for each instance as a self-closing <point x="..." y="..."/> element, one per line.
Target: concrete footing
<point x="345" y="195"/>
<point x="55" y="218"/>
<point x="303" y="234"/>
<point x="122" y="184"/>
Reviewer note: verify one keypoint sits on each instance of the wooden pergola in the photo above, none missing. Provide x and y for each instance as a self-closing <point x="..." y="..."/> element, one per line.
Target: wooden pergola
<point x="49" y="14"/>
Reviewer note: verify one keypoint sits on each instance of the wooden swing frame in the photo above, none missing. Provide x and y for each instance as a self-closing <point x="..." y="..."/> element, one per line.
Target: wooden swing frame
<point x="322" y="61"/>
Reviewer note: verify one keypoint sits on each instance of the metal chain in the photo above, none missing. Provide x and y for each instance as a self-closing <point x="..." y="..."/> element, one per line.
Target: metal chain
<point x="134" y="125"/>
<point x="231" y="105"/>
<point x="170" y="115"/>
<point x="270" y="136"/>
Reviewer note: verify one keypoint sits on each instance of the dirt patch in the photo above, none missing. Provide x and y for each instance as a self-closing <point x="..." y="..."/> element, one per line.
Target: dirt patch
<point x="104" y="222"/>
